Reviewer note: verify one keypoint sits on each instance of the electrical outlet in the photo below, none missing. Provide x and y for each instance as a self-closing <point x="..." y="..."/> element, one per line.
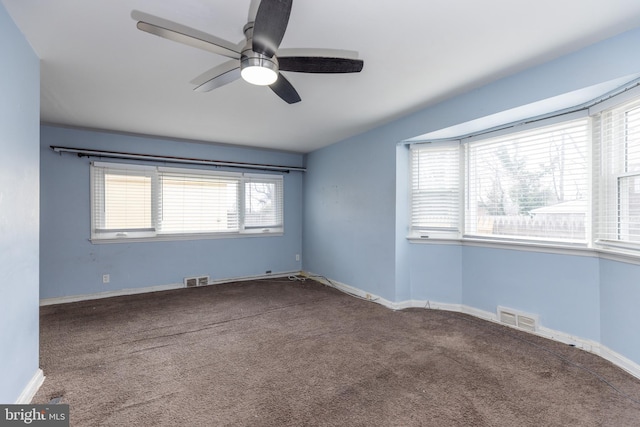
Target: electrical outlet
<point x="106" y="278"/>
<point x="297" y="257"/>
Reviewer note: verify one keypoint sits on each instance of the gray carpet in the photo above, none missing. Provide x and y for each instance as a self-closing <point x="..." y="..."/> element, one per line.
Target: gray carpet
<point x="280" y="353"/>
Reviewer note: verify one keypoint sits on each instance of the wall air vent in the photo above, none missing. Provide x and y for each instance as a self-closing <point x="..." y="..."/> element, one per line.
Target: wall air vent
<point x="528" y="323"/>
<point x="508" y="318"/>
<point x="518" y="319"/>
<point x="192" y="282"/>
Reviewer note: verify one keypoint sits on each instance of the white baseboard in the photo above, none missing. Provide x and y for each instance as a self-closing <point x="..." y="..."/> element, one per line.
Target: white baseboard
<point x="591" y="346"/>
<point x="347" y="289"/>
<point x="31" y="389"/>
<point x="476" y="312"/>
<point x="109" y="294"/>
<point x="582" y="343"/>
<point x="258" y="277"/>
<point x="148" y="289"/>
<point x="427" y="304"/>
<point x="619" y="360"/>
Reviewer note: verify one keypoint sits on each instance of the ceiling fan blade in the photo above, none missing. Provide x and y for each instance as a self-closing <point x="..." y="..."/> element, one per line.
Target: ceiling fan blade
<point x="182" y="34"/>
<point x="253" y="10"/>
<point x="315" y="64"/>
<point x="313" y="51"/>
<point x="221" y="75"/>
<point x="285" y="90"/>
<point x="270" y="24"/>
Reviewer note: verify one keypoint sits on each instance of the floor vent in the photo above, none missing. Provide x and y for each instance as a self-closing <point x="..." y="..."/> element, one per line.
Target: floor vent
<point x="192" y="282"/>
<point x="518" y="319"/>
<point x="508" y="318"/>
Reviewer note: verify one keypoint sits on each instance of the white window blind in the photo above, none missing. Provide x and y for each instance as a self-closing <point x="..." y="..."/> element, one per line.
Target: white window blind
<point x="530" y="185"/>
<point x="122" y="200"/>
<point x="435" y="189"/>
<point x="617" y="156"/>
<point x="197" y="203"/>
<point x="263" y="202"/>
<point x="130" y="201"/>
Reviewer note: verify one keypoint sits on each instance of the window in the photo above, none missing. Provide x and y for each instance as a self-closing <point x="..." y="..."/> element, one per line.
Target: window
<point x="435" y="190"/>
<point x="262" y="206"/>
<point x="572" y="180"/>
<point x="618" y="181"/>
<point x="122" y="203"/>
<point x="530" y="185"/>
<point x="197" y="202"/>
<point x="132" y="201"/>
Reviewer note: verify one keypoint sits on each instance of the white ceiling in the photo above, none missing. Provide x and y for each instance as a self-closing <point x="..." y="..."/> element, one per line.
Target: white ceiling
<point x="99" y="71"/>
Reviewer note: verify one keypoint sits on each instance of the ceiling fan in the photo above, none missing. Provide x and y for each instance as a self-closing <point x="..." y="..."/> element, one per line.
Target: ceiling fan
<point x="255" y="59"/>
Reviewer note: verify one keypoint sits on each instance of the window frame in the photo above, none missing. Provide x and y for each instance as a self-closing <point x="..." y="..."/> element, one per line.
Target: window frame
<point x="278" y="221"/>
<point x="613" y="158"/>
<point x="465" y="145"/>
<point x="156" y="173"/>
<point x="454" y="231"/>
<point x="99" y="229"/>
<point x="513" y="139"/>
<point x="600" y="204"/>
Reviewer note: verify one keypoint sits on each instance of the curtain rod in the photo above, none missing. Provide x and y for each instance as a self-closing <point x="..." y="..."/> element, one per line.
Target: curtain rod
<point x="81" y="152"/>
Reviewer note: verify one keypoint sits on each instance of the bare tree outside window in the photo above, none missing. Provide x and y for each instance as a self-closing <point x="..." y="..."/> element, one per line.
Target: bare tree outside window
<point x="530" y="184"/>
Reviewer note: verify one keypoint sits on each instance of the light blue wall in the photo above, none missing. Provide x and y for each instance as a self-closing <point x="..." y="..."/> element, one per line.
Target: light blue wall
<point x="435" y="272"/>
<point x="355" y="218"/>
<point x="71" y="265"/>
<point x="403" y="287"/>
<point x="349" y="221"/>
<point x="19" y="187"/>
<point x="562" y="289"/>
<point x="619" y="299"/>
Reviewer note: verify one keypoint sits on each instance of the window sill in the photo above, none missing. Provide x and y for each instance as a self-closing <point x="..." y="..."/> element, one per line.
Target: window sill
<point x="184" y="237"/>
<point x="626" y="256"/>
<point x="436" y="240"/>
<point x="532" y="246"/>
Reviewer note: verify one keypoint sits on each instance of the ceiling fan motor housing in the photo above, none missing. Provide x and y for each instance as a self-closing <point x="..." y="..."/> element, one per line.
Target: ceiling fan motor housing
<point x="257" y="68"/>
<point x="256" y="63"/>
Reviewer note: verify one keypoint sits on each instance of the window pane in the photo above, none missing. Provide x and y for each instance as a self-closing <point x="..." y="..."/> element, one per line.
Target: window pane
<point x="618" y="179"/>
<point x="127" y="202"/>
<point x="632" y="136"/>
<point x="629" y="209"/>
<point x="198" y="204"/>
<point x="262" y="204"/>
<point x="531" y="184"/>
<point x="435" y="188"/>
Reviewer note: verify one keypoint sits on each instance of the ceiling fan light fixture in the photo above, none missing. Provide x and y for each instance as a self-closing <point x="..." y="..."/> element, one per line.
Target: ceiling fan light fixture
<point x="258" y="75"/>
<point x="259" y="70"/>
